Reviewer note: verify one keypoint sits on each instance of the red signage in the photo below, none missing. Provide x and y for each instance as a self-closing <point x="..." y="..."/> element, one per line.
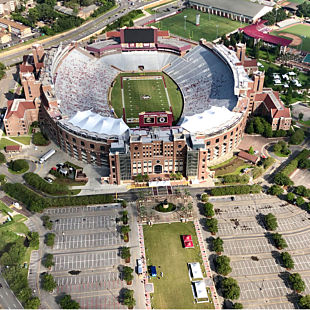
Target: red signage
<point x="150" y="119"/>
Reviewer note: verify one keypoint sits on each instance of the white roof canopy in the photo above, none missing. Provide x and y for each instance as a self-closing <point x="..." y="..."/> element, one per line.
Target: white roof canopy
<point x="196" y="270"/>
<point x="201" y="290"/>
<point x="94" y="122"/>
<point x="210" y="120"/>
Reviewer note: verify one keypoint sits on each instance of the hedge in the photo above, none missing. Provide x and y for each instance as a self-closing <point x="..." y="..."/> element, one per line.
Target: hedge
<point x="36" y="203"/>
<point x="292" y="166"/>
<point x="233" y="178"/>
<point x="40" y="184"/>
<point x="236" y="190"/>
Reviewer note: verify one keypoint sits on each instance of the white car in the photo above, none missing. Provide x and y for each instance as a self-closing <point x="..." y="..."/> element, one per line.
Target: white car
<point x="139" y="266"/>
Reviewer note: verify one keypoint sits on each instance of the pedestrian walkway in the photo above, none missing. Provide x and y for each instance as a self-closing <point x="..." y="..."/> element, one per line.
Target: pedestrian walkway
<point x="206" y="264"/>
<point x="144" y="266"/>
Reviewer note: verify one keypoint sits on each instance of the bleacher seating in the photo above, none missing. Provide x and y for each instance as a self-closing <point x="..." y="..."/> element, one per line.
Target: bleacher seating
<point x="204" y="79"/>
<point x="82" y="83"/>
<point x="130" y="61"/>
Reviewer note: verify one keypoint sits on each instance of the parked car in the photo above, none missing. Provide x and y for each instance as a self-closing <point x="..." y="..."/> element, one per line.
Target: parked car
<point x="139" y="266"/>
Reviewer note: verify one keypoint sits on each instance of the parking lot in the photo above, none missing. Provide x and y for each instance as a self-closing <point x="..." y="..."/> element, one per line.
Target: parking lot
<point x="255" y="261"/>
<point x="86" y="254"/>
<point x="301" y="177"/>
<point x="92" y="240"/>
<point x="85" y="223"/>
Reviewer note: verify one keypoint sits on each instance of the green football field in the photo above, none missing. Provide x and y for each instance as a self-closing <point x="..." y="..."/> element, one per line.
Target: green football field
<point x="302" y="31"/>
<point x="134" y="90"/>
<point x="208" y="28"/>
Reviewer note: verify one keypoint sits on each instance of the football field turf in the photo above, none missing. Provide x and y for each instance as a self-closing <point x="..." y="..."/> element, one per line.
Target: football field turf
<point x="132" y="101"/>
<point x="208" y="28"/>
<point x="142" y="95"/>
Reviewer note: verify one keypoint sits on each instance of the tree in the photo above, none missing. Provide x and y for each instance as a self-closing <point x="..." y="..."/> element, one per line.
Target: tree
<point x="33" y="239"/>
<point x="300" y="201"/>
<point x="222" y="264"/>
<point x="297" y="137"/>
<point x="39" y="139"/>
<point x="127" y="274"/>
<point x="66" y="302"/>
<point x="300" y="116"/>
<point x="230" y="288"/>
<point x="282" y="179"/>
<point x="290" y="197"/>
<point x="15" y="254"/>
<point x="297" y="282"/>
<point x="32" y="303"/>
<point x="237" y="305"/>
<point x="208" y="209"/>
<point x="48" y="260"/>
<point x="304" y="302"/>
<point x="2" y="158"/>
<point x="275" y="190"/>
<point x="287" y="260"/>
<point x="217" y="245"/>
<point x="19" y="165"/>
<point x="204" y="197"/>
<point x="46" y="222"/>
<point x="48" y="282"/>
<point x="129" y="299"/>
<point x="251" y="150"/>
<point x="125" y="254"/>
<point x="49" y="239"/>
<point x="279" y="242"/>
<point x="212" y="225"/>
<point x="125" y="229"/>
<point x="270" y="221"/>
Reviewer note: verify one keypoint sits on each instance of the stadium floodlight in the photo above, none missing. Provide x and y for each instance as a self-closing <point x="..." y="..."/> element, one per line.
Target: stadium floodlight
<point x="185" y="16"/>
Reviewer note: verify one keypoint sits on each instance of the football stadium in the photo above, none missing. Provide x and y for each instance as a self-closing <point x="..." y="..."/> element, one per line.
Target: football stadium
<point x="143" y="102"/>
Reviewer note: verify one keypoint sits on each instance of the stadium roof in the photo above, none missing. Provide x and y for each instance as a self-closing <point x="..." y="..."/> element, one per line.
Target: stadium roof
<point x="210" y="120"/>
<point x="93" y="122"/>
<point x="242" y="7"/>
<point x="252" y="31"/>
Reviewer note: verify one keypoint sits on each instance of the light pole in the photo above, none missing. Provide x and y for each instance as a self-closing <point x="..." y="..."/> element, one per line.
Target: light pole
<point x="185" y="16"/>
<point x="209" y="11"/>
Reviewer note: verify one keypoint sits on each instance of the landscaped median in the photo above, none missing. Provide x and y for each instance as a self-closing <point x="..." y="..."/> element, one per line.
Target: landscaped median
<point x="37" y="203"/>
<point x="236" y="190"/>
<point x="165" y="251"/>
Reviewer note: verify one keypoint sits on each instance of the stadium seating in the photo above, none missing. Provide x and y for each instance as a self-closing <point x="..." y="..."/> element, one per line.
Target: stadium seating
<point x="82" y="83"/>
<point x="204" y="79"/>
<point x="130" y="61"/>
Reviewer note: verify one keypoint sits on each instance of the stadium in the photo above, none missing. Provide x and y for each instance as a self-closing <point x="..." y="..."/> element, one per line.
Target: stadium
<point x="141" y="102"/>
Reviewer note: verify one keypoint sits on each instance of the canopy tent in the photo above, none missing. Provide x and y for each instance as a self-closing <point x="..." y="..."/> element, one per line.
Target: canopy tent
<point x="195" y="270"/>
<point x="153" y="271"/>
<point x="187" y="241"/>
<point x="200" y="289"/>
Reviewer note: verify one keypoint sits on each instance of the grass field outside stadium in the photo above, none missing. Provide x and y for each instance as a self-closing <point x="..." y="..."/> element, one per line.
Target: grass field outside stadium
<point x="208" y="28"/>
<point x="165" y="251"/>
<point x="145" y="92"/>
<point x="301" y="30"/>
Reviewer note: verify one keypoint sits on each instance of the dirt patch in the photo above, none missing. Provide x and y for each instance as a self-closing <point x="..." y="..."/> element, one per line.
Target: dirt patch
<point x="296" y="40"/>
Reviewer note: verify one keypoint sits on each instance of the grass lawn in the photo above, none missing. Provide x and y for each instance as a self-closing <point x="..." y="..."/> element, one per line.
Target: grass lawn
<point x="135" y="89"/>
<point x="232" y="166"/>
<point x="307" y="123"/>
<point x="207" y="28"/>
<point x="302" y="31"/>
<point x="24" y="140"/>
<point x="69" y="182"/>
<point x="18" y="172"/>
<point x="279" y="154"/>
<point x="4" y="207"/>
<point x="222" y="164"/>
<point x="5" y="142"/>
<point x="164" y="248"/>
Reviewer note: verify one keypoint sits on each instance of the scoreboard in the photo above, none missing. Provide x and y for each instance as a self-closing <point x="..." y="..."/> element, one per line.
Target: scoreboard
<point x="150" y="119"/>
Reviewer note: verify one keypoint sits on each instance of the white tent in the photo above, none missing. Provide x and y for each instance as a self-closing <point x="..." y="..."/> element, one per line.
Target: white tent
<point x="200" y="288"/>
<point x="196" y="270"/>
<point x="215" y="117"/>
<point x="94" y="122"/>
<point x="159" y="183"/>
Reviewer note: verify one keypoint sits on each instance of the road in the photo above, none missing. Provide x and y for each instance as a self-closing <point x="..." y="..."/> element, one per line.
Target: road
<point x="7" y="298"/>
<point x="81" y="32"/>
